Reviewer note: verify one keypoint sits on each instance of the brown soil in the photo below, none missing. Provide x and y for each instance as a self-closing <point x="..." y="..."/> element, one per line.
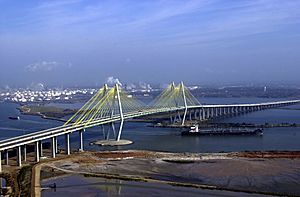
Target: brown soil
<point x="268" y="154"/>
<point x="111" y="155"/>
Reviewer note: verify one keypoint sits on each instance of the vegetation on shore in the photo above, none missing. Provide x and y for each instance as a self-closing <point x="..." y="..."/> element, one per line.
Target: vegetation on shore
<point x="47" y="112"/>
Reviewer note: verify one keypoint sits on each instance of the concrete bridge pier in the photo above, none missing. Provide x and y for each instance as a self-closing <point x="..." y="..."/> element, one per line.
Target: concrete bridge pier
<point x="224" y="111"/>
<point x="67" y="139"/>
<point x="210" y="113"/>
<point x="207" y="114"/>
<point x="203" y="114"/>
<point x="56" y="148"/>
<point x="6" y="157"/>
<point x="216" y="112"/>
<point x="0" y="161"/>
<point x="81" y="139"/>
<point x="37" y="151"/>
<point x="195" y="114"/>
<point x="53" y="148"/>
<point x="19" y="156"/>
<point x="41" y="148"/>
<point x="171" y="118"/>
<point x="220" y="111"/>
<point x="25" y="153"/>
<point x="240" y="109"/>
<point x="236" y="110"/>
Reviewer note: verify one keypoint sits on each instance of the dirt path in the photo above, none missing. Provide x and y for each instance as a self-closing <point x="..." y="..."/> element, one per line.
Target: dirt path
<point x="35" y="180"/>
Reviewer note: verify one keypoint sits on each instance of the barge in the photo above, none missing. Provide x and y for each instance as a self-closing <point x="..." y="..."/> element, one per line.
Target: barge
<point x="14" y="117"/>
<point x="195" y="131"/>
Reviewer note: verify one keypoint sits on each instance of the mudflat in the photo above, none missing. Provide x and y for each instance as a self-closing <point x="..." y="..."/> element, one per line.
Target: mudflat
<point x="247" y="172"/>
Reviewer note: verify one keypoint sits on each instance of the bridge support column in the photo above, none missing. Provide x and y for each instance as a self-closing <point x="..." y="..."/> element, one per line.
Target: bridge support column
<point x="6" y="157"/>
<point x="201" y="117"/>
<point x="203" y="114"/>
<point x="37" y="151"/>
<point x="19" y="156"/>
<point x="41" y="148"/>
<point x="67" y="139"/>
<point x="212" y="113"/>
<point x="25" y="153"/>
<point x="53" y="148"/>
<point x="81" y="140"/>
<point x="207" y="113"/>
<point x="0" y="162"/>
<point x="56" y="148"/>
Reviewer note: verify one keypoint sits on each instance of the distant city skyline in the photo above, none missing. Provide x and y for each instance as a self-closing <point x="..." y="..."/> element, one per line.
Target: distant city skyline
<point x="84" y="42"/>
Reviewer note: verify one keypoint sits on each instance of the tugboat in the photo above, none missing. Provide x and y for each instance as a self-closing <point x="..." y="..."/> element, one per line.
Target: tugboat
<point x="14" y="117"/>
<point x="222" y="131"/>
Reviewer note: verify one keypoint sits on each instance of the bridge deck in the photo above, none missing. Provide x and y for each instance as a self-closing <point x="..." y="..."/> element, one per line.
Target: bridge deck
<point x="61" y="130"/>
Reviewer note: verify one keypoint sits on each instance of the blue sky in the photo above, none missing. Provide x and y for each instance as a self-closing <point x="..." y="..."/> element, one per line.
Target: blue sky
<point x="82" y="42"/>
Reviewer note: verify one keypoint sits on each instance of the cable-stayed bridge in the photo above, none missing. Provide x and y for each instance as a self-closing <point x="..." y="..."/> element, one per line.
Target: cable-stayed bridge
<point x="113" y="104"/>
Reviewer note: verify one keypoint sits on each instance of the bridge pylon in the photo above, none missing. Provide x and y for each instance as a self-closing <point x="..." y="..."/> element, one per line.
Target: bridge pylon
<point x="176" y="97"/>
<point x="185" y="103"/>
<point x="120" y="110"/>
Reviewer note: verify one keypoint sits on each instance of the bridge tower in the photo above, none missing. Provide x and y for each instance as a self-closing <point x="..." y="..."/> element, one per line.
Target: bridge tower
<point x="120" y="110"/>
<point x="185" y="103"/>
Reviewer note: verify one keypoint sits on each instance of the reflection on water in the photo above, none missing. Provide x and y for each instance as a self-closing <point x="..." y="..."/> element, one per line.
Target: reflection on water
<point x="167" y="139"/>
<point x="159" y="139"/>
<point x="77" y="185"/>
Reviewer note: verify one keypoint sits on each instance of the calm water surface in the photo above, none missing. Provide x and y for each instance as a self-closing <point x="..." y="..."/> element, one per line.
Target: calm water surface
<point x="167" y="139"/>
<point x="158" y="139"/>
<point x="76" y="185"/>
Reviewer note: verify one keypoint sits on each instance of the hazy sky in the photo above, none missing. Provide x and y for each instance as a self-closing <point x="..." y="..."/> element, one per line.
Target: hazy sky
<point x="82" y="42"/>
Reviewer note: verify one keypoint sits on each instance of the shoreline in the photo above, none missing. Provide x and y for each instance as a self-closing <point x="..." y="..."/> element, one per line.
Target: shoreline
<point x="27" y="111"/>
<point x="203" y="124"/>
<point x="134" y="165"/>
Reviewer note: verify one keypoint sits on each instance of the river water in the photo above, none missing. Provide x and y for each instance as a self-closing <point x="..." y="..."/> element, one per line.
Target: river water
<point x="169" y="139"/>
<point x="164" y="139"/>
